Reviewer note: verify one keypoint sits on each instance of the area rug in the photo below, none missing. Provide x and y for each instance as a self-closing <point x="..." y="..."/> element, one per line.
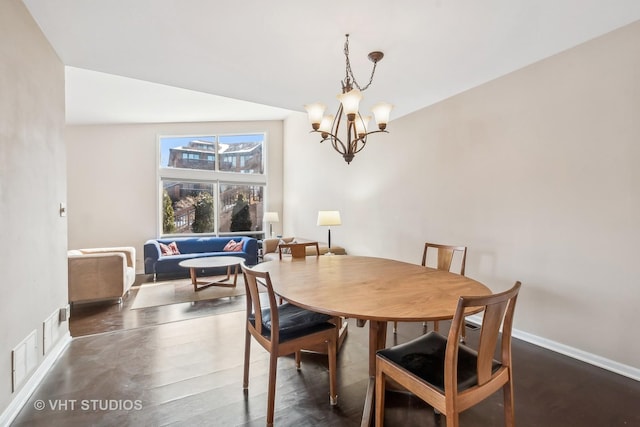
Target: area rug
<point x="180" y="291"/>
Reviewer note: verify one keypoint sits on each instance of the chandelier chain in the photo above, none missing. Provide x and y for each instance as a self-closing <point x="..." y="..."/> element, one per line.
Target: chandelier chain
<point x="349" y="72"/>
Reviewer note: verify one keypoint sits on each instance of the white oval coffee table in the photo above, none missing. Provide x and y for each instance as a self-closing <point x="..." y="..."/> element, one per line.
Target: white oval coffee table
<point x="212" y="262"/>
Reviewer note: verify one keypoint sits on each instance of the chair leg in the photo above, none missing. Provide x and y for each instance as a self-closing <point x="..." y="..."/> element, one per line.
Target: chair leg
<point x="453" y="419"/>
<point x="298" y="358"/>
<point x="509" y="412"/>
<point x="463" y="332"/>
<point x="247" y="351"/>
<point x="271" y="393"/>
<point x="380" y="388"/>
<point x="332" y="352"/>
<point x="436" y="326"/>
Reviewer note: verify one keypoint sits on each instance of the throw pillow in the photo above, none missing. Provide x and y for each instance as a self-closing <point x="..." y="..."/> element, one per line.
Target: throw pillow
<point x="165" y="249"/>
<point x="233" y="246"/>
<point x="170" y="249"/>
<point x="173" y="246"/>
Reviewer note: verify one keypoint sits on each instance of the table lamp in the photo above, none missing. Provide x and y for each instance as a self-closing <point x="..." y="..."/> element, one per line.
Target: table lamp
<point x="329" y="218"/>
<point x="271" y="217"/>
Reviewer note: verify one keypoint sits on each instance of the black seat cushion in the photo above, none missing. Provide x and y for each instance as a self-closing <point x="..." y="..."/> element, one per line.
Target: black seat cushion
<point x="294" y="321"/>
<point x="424" y="357"/>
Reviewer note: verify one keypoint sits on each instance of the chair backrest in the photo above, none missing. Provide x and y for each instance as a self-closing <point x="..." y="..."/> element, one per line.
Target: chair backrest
<point x="253" y="281"/>
<point x="497" y="314"/>
<point x="298" y="249"/>
<point x="445" y="256"/>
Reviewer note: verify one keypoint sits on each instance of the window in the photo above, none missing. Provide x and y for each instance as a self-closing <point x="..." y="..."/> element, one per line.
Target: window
<point x="202" y="195"/>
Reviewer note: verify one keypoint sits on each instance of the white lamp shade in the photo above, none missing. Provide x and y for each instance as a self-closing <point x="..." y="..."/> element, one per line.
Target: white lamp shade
<point x="350" y="101"/>
<point x="381" y="111"/>
<point x="329" y="218"/>
<point x="362" y="122"/>
<point x="315" y="112"/>
<point x="326" y="123"/>
<point x="271" y="217"/>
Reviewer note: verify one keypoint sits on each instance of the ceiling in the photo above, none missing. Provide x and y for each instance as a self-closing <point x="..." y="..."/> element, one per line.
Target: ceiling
<point x="133" y="61"/>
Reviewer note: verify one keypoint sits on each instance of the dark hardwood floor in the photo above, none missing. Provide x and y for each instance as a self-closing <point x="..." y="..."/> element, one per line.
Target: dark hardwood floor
<point x="181" y="365"/>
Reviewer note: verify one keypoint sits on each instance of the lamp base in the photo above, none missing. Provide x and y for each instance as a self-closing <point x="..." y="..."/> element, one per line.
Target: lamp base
<point x="329" y="254"/>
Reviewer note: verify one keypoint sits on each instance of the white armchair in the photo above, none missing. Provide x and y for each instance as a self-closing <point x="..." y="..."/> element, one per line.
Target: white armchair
<point x="101" y="273"/>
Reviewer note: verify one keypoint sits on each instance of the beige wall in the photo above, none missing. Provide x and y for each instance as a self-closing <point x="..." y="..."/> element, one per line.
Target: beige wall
<point x="112" y="177"/>
<point x="536" y="172"/>
<point x="33" y="266"/>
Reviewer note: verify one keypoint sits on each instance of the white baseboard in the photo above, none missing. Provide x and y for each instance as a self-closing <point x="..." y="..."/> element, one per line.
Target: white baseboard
<point x="592" y="359"/>
<point x="23" y="395"/>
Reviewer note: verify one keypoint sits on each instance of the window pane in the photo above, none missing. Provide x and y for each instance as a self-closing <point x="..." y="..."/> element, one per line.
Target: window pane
<point x="241" y="153"/>
<point x="187" y="207"/>
<point x="241" y="208"/>
<point x="188" y="152"/>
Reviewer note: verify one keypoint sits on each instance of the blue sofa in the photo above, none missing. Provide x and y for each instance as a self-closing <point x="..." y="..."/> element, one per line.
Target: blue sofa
<point x="194" y="247"/>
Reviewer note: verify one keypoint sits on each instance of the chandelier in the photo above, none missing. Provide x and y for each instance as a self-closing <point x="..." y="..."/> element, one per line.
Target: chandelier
<point x="356" y="124"/>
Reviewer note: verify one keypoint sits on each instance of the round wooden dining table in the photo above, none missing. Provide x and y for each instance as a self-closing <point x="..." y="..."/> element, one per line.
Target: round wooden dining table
<point x="377" y="290"/>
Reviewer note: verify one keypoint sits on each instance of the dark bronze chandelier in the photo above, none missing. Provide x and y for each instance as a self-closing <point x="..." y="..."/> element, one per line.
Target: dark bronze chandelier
<point x="356" y="124"/>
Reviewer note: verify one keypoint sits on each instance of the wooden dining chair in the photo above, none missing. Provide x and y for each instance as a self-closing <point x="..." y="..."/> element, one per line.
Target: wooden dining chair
<point x="448" y="375"/>
<point x="443" y="261"/>
<point x="282" y="330"/>
<point x="297" y="249"/>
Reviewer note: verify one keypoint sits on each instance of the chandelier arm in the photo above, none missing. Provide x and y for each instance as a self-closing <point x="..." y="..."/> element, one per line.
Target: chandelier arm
<point x="363" y="142"/>
<point x="335" y="127"/>
<point x="335" y="141"/>
<point x="376" y="131"/>
<point x="328" y="136"/>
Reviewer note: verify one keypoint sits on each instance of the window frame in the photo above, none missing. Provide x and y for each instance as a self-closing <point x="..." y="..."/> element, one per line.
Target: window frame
<point x="215" y="177"/>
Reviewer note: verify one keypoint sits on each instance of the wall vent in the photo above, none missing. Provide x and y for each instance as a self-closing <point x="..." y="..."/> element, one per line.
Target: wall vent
<point x="24" y="358"/>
